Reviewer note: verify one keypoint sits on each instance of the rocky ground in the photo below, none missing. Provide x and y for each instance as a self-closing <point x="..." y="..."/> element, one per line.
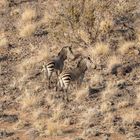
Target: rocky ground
<point x="106" y="106"/>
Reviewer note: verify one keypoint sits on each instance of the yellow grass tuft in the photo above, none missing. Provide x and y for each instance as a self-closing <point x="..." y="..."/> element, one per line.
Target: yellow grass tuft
<point x="3" y="41"/>
<point x="54" y="128"/>
<point x="125" y="47"/>
<point x="138" y="36"/>
<point x="109" y="91"/>
<point x="15" y="12"/>
<point x="29" y="100"/>
<point x="96" y="79"/>
<point x="138" y="95"/>
<point x="129" y="116"/>
<point x="123" y="104"/>
<point x="100" y="49"/>
<point x="3" y="3"/>
<point x="57" y="112"/>
<point x="108" y="118"/>
<point x="19" y="125"/>
<point x="40" y="124"/>
<point x="84" y="35"/>
<point x="89" y="115"/>
<point x="105" y="106"/>
<point x="36" y="113"/>
<point x="28" y="15"/>
<point x="112" y="61"/>
<point x="48" y="17"/>
<point x="81" y="94"/>
<point x="105" y="25"/>
<point x="124" y="6"/>
<point x="39" y="55"/>
<point x="27" y="30"/>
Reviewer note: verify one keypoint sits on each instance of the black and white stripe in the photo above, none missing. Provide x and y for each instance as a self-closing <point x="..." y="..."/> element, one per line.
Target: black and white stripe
<point x="57" y="63"/>
<point x="50" y="68"/>
<point x="64" y="81"/>
<point x="76" y="74"/>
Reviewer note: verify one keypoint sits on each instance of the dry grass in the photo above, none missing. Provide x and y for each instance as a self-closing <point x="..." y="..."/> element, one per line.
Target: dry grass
<point x="138" y="35"/>
<point x="138" y="95"/>
<point x="100" y="49"/>
<point x="108" y="118"/>
<point x="19" y="125"/>
<point x="81" y="94"/>
<point x="39" y="55"/>
<point x="46" y="126"/>
<point x="3" y="41"/>
<point x="27" y="27"/>
<point x="105" y="106"/>
<point x="54" y="128"/>
<point x="3" y="3"/>
<point x="48" y="17"/>
<point x="84" y="35"/>
<point x="15" y="12"/>
<point x="28" y="15"/>
<point x="29" y="100"/>
<point x="125" y="6"/>
<point x="105" y="25"/>
<point x="109" y="91"/>
<point x="125" y="47"/>
<point x="113" y="61"/>
<point x="27" y="30"/>
<point x="96" y="79"/>
<point x="123" y="104"/>
<point x="40" y="125"/>
<point x="57" y="112"/>
<point x="129" y="116"/>
<point x="36" y="113"/>
<point x="89" y="115"/>
<point x="91" y="31"/>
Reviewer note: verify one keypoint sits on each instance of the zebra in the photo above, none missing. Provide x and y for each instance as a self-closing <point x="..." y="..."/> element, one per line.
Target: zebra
<point x="76" y="74"/>
<point x="57" y="63"/>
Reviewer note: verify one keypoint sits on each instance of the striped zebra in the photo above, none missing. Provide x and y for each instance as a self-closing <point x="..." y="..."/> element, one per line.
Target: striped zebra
<point x="76" y="74"/>
<point x="57" y="63"/>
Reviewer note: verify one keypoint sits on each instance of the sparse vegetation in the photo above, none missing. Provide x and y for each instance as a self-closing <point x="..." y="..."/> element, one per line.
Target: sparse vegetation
<point x="106" y="105"/>
<point x="3" y="3"/>
<point x="27" y="30"/>
<point x="53" y="128"/>
<point x="125" y="47"/>
<point x="100" y="49"/>
<point x="28" y="15"/>
<point x="113" y="61"/>
<point x="81" y="94"/>
<point x="3" y="41"/>
<point x="29" y="100"/>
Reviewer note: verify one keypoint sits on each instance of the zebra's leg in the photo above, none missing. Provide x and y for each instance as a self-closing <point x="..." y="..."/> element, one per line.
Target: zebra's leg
<point x="49" y="86"/>
<point x="81" y="80"/>
<point x="57" y="75"/>
<point x="66" y="92"/>
<point x="57" y="85"/>
<point x="77" y="83"/>
<point x="49" y="79"/>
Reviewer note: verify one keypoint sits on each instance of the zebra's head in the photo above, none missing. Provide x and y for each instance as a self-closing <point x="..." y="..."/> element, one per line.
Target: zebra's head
<point x="66" y="52"/>
<point x="85" y="62"/>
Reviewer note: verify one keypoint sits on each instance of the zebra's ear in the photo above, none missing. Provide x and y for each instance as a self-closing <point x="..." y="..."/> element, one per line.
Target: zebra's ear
<point x="79" y="62"/>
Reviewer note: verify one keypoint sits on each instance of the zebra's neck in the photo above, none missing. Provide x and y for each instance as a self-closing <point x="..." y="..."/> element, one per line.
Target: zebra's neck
<point x="82" y="66"/>
<point x="62" y="56"/>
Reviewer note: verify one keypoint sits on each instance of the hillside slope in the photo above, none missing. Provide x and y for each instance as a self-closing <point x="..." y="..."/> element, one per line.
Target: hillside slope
<point x="106" y="106"/>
